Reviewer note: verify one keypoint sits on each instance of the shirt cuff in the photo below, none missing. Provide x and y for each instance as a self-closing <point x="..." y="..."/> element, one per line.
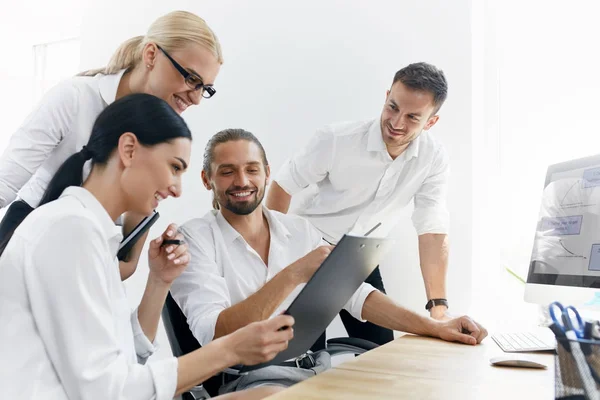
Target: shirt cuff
<point x="204" y="329"/>
<point x="431" y="220"/>
<point x="285" y="179"/>
<point x="356" y="303"/>
<point x="143" y="348"/>
<point x="164" y="375"/>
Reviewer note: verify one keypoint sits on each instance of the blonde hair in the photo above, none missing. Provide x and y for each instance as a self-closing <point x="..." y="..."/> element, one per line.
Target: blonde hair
<point x="171" y="32"/>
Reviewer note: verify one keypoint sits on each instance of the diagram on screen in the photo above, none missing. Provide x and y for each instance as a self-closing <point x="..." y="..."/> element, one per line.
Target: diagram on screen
<point x="568" y="235"/>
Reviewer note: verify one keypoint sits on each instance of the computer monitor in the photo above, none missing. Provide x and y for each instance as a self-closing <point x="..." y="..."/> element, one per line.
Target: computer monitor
<point x="565" y="261"/>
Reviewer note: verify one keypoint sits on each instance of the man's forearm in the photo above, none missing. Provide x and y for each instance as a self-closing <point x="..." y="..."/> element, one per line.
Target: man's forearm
<point x="259" y="306"/>
<point x="433" y="252"/>
<point x="278" y="199"/>
<point x="380" y="310"/>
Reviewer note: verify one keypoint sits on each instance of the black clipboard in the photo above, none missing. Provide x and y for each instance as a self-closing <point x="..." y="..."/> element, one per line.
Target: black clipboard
<point x="128" y="242"/>
<point x="329" y="289"/>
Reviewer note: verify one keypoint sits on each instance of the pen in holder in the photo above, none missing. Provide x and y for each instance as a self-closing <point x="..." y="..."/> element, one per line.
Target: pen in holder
<point x="577" y="360"/>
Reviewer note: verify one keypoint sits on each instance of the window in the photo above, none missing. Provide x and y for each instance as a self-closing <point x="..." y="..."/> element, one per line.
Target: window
<point x="540" y="87"/>
<point x="54" y="62"/>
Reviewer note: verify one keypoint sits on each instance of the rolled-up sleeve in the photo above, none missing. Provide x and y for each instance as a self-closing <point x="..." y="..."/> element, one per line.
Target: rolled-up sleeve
<point x="201" y="291"/>
<point x="39" y="134"/>
<point x="310" y="165"/>
<point x="84" y="350"/>
<point x="430" y="214"/>
<point x="355" y="305"/>
<point x="143" y="347"/>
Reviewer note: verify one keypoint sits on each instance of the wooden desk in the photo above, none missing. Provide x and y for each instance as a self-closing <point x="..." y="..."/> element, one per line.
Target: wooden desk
<point x="414" y="367"/>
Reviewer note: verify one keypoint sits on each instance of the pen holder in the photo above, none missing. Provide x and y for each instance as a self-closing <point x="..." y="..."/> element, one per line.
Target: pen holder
<point x="577" y="369"/>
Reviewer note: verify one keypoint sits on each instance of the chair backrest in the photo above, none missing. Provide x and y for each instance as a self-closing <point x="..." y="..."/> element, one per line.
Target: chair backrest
<point x="178" y="331"/>
<point x="182" y="339"/>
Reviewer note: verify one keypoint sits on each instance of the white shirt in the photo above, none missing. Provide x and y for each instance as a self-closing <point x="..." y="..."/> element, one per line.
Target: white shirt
<point x="358" y="185"/>
<point x="224" y="270"/>
<point x="67" y="329"/>
<point x="57" y="128"/>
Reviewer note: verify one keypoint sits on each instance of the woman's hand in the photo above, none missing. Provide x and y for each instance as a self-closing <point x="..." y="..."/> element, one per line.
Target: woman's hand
<point x="167" y="262"/>
<point x="260" y="341"/>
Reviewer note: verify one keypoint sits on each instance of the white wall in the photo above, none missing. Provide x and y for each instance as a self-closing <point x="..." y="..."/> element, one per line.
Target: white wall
<point x="293" y="67"/>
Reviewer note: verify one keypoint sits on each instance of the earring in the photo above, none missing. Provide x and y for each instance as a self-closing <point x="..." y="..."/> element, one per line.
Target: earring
<point x="147" y="65"/>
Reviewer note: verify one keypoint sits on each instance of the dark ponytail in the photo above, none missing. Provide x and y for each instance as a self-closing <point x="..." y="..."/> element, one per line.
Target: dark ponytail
<point x="70" y="173"/>
<point x="149" y="118"/>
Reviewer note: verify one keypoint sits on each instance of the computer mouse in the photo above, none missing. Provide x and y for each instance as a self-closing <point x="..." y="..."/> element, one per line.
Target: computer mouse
<point x="514" y="360"/>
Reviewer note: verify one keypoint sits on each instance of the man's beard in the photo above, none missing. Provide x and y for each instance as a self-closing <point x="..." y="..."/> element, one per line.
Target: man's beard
<point x="240" y="208"/>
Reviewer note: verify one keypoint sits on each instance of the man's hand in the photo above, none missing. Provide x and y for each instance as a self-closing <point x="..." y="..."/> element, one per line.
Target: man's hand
<point x="305" y="267"/>
<point x="167" y="262"/>
<point x="462" y="329"/>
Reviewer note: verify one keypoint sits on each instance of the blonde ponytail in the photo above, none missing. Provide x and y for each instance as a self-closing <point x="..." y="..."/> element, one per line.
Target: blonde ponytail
<point x="126" y="57"/>
<point x="172" y="31"/>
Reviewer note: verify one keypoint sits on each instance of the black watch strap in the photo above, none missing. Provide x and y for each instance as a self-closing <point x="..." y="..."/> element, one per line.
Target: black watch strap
<point x="436" y="302"/>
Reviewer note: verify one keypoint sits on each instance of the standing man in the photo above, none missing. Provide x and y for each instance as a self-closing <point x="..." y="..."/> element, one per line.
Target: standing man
<point x="366" y="172"/>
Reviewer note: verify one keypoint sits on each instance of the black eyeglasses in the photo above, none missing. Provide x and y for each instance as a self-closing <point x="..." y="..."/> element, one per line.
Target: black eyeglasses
<point x="192" y="80"/>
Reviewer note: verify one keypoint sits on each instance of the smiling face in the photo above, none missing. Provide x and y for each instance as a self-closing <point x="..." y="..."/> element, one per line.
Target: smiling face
<point x="405" y="115"/>
<point x="238" y="176"/>
<point x="152" y="173"/>
<point x="163" y="80"/>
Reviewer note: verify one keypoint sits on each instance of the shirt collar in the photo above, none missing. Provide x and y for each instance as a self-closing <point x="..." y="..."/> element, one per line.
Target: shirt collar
<point x="110" y="230"/>
<point x="108" y="85"/>
<point x="375" y="142"/>
<point x="275" y="224"/>
<point x="230" y="234"/>
<point x="413" y="148"/>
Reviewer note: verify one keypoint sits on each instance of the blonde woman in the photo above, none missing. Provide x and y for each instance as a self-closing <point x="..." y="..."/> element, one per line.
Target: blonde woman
<point x="177" y="60"/>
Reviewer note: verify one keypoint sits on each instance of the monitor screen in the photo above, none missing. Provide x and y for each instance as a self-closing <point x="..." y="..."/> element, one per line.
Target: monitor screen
<point x="566" y="249"/>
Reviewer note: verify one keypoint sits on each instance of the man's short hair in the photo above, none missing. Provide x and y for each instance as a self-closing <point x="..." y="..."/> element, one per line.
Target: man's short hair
<point x="425" y="77"/>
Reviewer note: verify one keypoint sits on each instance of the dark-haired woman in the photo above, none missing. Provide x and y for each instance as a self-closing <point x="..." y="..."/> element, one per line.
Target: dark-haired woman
<point x="66" y="328"/>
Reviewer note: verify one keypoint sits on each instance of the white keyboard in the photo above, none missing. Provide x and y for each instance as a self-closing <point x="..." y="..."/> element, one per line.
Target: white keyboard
<point x="524" y="341"/>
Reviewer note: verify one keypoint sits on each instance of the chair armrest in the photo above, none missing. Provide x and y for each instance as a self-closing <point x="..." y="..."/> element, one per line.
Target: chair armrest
<point x="196" y="393"/>
<point x="349" y="345"/>
<point x="235" y="370"/>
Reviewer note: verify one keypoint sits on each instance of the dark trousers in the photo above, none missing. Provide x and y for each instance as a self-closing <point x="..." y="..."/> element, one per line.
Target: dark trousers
<point x="15" y="214"/>
<point x="362" y="330"/>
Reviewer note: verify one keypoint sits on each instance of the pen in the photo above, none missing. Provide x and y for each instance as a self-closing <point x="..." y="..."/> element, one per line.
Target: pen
<point x="366" y="234"/>
<point x="372" y="229"/>
<point x="167" y="242"/>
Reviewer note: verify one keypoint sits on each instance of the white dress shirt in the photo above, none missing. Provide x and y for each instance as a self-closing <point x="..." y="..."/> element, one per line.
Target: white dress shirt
<point x="359" y="185"/>
<point x="58" y="127"/>
<point x="225" y="270"/>
<point x="67" y="329"/>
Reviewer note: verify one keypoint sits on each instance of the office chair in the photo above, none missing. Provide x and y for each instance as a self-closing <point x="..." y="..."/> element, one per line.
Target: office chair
<point x="182" y="341"/>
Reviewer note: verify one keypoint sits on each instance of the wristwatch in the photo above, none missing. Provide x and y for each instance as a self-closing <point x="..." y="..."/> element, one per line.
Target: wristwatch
<point x="436" y="302"/>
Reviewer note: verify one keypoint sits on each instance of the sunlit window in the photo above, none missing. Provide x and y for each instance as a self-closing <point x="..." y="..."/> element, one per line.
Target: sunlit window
<point x="54" y="62"/>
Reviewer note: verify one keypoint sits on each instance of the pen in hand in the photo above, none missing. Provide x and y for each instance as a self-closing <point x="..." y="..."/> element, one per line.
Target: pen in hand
<point x="167" y="242"/>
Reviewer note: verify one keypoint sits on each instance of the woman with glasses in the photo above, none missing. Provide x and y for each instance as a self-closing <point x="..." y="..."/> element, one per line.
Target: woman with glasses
<point x="67" y="329"/>
<point x="177" y="60"/>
